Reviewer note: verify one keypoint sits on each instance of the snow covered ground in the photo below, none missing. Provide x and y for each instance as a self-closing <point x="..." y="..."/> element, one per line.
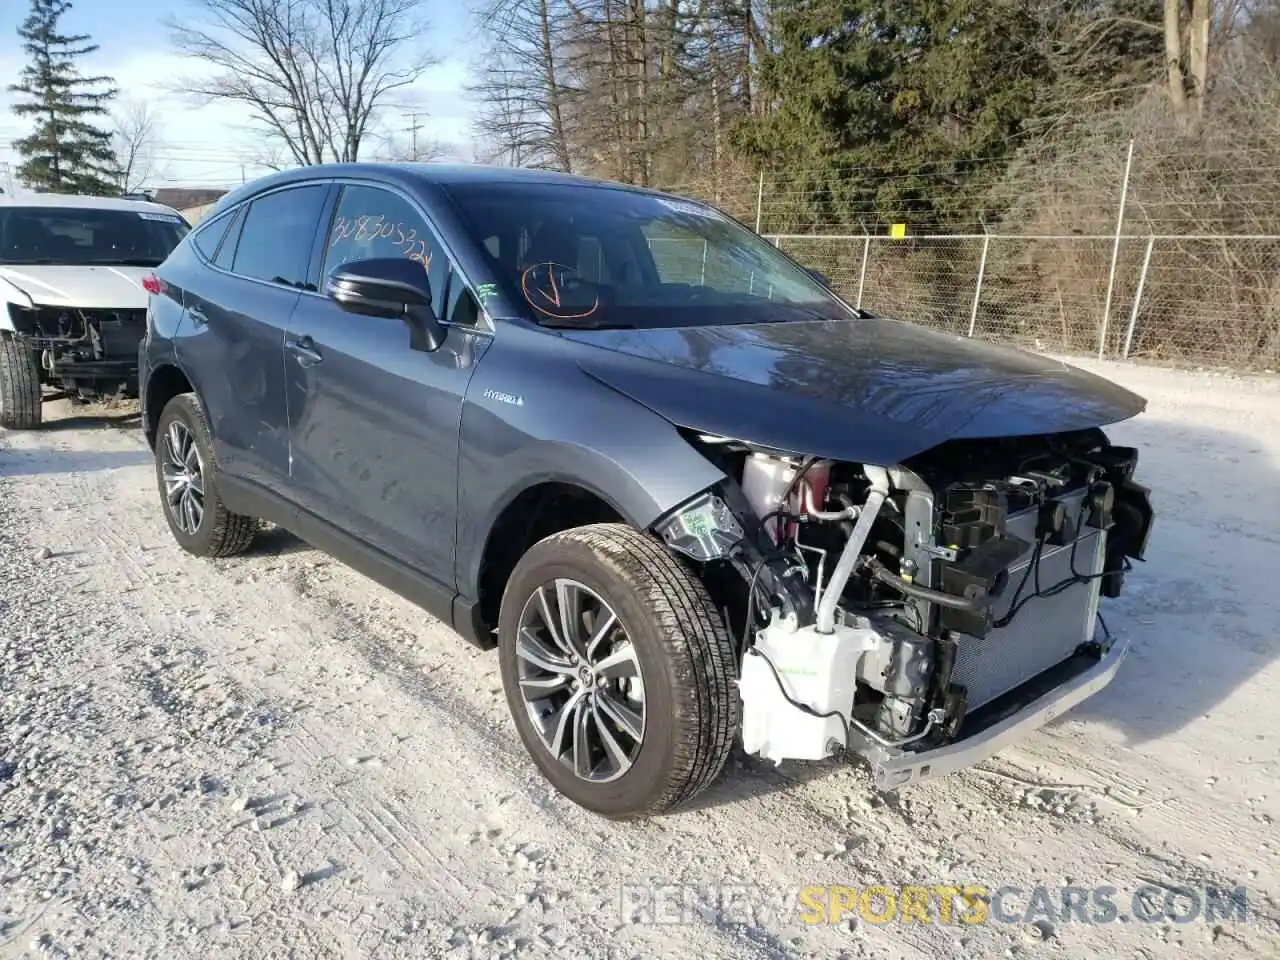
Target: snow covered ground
<point x="272" y="757"/>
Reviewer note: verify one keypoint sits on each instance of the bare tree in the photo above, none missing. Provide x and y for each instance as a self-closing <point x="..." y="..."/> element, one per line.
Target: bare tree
<point x="521" y="88"/>
<point x="313" y="73"/>
<point x="1186" y="42"/>
<point x="136" y="140"/>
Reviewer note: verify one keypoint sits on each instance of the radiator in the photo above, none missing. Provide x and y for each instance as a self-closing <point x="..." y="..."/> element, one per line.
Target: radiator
<point x="1046" y="630"/>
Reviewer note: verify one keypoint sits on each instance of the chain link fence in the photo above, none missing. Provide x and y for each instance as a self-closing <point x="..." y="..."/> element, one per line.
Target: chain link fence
<point x="1201" y="299"/>
<point x="1110" y="248"/>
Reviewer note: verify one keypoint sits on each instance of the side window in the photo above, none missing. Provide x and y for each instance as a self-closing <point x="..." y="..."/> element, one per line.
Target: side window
<point x="463" y="308"/>
<point x="372" y="222"/>
<point x="227" y="252"/>
<point x="205" y="238"/>
<point x="278" y="233"/>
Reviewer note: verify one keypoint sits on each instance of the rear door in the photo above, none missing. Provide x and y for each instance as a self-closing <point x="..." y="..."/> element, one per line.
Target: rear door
<point x="237" y="311"/>
<point x="374" y="425"/>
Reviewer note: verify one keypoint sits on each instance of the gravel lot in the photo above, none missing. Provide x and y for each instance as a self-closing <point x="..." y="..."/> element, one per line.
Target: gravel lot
<point x="272" y="757"/>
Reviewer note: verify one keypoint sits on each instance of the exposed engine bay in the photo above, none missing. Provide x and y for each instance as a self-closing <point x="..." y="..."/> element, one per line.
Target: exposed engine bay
<point x="91" y="354"/>
<point x="917" y="614"/>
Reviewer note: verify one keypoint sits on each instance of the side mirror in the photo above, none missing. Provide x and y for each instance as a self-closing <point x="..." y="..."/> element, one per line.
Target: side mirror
<point x="389" y="287"/>
<point x="822" y="278"/>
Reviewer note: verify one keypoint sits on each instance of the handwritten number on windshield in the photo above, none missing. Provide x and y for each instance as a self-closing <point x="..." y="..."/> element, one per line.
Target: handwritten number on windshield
<point x="377" y="228"/>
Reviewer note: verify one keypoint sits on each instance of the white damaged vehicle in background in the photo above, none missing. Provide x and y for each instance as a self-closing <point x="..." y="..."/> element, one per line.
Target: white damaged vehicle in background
<point x="73" y="275"/>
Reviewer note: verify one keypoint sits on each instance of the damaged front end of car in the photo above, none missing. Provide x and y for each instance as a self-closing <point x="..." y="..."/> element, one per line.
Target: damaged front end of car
<point x="92" y="354"/>
<point x="923" y="614"/>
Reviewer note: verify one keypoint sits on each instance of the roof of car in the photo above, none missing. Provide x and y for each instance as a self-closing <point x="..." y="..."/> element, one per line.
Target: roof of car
<point x="473" y="172"/>
<point x="446" y="173"/>
<point x="80" y="203"/>
<point x="443" y="174"/>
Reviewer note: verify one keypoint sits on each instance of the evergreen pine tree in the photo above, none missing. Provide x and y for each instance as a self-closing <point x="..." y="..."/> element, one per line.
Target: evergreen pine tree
<point x="893" y="108"/>
<point x="66" y="153"/>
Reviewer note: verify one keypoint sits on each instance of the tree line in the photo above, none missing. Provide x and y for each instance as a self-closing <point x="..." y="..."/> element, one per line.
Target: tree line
<point x="931" y="110"/>
<point x="312" y="75"/>
<point x="899" y="106"/>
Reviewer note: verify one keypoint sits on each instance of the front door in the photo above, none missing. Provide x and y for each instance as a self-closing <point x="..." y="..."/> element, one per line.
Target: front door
<point x="374" y="425"/>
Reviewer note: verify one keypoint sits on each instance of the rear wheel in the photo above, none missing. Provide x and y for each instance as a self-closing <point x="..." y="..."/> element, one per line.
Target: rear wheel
<point x="20" y="402"/>
<point x="618" y="671"/>
<point x="188" y="480"/>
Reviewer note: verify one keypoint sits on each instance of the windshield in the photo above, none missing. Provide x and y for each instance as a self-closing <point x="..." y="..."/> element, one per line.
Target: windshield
<point x="587" y="256"/>
<point x="87" y="236"/>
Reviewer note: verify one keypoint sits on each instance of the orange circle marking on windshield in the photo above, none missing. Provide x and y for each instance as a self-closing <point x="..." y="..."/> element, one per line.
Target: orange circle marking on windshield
<point x="552" y="295"/>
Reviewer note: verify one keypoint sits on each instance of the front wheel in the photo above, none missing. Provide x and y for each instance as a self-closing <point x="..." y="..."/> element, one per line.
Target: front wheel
<point x="618" y="670"/>
<point x="20" y="400"/>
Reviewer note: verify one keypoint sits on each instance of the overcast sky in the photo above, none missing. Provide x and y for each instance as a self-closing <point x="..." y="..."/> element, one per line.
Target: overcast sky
<point x="207" y="146"/>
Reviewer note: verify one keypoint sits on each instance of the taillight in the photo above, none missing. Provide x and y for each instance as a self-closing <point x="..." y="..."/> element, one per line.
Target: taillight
<point x="151" y="283"/>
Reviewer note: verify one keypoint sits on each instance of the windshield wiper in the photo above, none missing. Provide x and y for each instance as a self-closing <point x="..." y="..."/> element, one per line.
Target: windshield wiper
<point x="126" y="262"/>
<point x="30" y="262"/>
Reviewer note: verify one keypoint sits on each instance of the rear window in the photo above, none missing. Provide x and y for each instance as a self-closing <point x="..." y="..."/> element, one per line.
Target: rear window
<point x="75" y="236"/>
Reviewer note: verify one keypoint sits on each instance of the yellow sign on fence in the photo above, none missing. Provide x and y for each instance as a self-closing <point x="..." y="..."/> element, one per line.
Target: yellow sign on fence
<point x="898" y="231"/>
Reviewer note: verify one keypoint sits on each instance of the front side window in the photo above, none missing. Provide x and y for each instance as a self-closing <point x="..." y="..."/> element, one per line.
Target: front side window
<point x="278" y="234"/>
<point x="585" y="255"/>
<point x="371" y="222"/>
<point x="88" y="236"/>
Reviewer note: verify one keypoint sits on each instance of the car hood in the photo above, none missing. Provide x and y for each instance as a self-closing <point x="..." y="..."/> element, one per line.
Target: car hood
<point x="870" y="391"/>
<point x="90" y="288"/>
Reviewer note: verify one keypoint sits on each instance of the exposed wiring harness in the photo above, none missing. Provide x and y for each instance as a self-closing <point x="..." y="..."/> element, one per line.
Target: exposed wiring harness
<point x="1033" y="569"/>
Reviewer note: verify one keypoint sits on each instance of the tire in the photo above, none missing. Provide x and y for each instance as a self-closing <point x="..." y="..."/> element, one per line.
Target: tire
<point x="20" y="401"/>
<point x="691" y="709"/>
<point x="218" y="532"/>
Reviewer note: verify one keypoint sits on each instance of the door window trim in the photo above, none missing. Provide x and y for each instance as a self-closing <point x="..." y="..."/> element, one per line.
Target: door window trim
<point x="223" y="215"/>
<point x="325" y="205"/>
<point x="484" y="325"/>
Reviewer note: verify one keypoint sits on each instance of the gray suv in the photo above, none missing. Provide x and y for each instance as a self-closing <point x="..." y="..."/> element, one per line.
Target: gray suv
<point x="691" y="495"/>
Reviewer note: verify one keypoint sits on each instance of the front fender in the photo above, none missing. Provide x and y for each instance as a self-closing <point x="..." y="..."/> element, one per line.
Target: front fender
<point x="526" y="424"/>
<point x="10" y="294"/>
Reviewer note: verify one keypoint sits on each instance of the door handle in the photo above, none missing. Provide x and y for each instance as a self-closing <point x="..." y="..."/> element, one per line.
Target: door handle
<point x="197" y="316"/>
<point x="304" y="351"/>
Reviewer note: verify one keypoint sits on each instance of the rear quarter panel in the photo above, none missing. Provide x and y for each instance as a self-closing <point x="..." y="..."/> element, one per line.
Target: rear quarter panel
<point x="165" y="315"/>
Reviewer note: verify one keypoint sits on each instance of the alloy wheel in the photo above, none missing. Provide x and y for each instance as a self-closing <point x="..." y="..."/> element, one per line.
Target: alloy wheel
<point x="580" y="680"/>
<point x="183" y="474"/>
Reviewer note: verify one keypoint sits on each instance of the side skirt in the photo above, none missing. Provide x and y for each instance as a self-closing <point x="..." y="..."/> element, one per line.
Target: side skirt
<point x="442" y="602"/>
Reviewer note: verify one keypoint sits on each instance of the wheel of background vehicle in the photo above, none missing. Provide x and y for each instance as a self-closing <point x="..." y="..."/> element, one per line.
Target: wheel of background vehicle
<point x="188" y="480"/>
<point x="618" y="670"/>
<point x="20" y="402"/>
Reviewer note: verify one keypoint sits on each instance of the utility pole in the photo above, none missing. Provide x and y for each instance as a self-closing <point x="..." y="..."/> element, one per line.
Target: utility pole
<point x="413" y="133"/>
<point x="7" y="170"/>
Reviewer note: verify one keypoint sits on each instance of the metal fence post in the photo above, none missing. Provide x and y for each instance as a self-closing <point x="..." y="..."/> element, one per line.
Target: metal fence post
<point x="1137" y="298"/>
<point x="1115" y="255"/>
<point x="862" y="277"/>
<point x="977" y="291"/>
<point x="759" y="199"/>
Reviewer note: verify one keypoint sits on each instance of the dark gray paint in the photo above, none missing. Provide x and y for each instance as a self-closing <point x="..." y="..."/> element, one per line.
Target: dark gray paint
<point x="231" y="342"/>
<point x="868" y="391"/>
<point x="415" y="455"/>
<point x="375" y="430"/>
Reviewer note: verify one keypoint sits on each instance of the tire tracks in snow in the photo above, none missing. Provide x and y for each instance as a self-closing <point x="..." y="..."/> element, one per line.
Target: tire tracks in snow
<point x="379" y="763"/>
